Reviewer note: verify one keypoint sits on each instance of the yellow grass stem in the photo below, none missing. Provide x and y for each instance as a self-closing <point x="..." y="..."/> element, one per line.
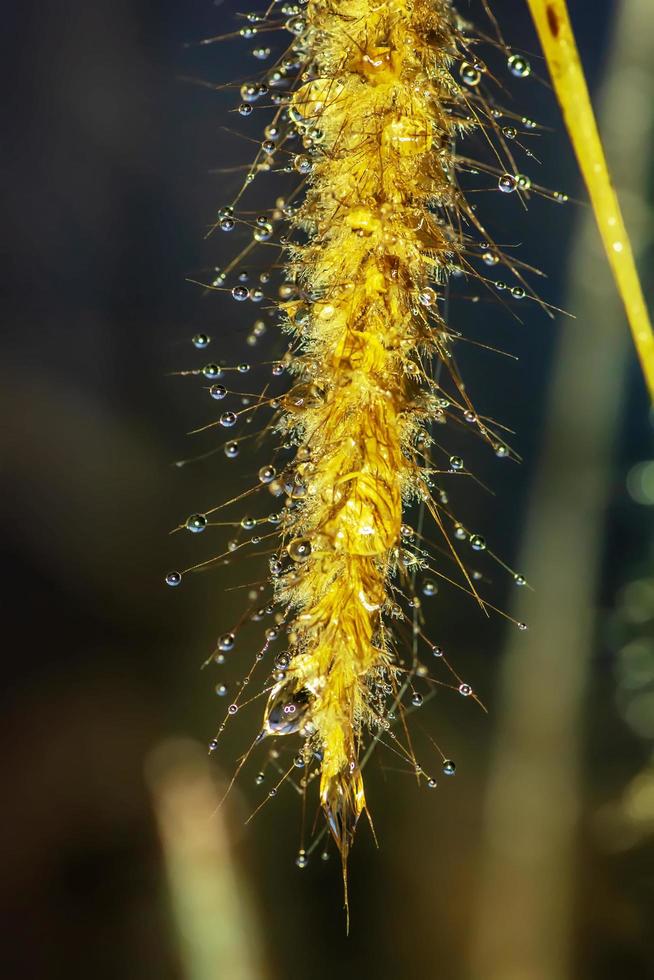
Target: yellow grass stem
<point x="558" y="43"/>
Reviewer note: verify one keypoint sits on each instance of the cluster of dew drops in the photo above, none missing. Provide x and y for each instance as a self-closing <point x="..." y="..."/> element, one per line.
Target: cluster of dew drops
<point x="279" y="152"/>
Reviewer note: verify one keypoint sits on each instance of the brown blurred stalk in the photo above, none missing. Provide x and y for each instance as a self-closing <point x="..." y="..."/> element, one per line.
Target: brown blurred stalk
<point x="525" y="914"/>
<point x="216" y="928"/>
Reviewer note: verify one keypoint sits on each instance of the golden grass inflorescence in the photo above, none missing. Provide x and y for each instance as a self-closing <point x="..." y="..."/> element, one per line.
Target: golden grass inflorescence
<point x="381" y="97"/>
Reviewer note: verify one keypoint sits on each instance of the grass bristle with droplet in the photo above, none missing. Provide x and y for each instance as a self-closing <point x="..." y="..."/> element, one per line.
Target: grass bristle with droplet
<point x="381" y="97"/>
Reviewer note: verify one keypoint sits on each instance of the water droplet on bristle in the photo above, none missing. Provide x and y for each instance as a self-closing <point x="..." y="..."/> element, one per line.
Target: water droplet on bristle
<point x="196" y="523"/>
<point x="518" y="66"/>
<point x="299" y="549"/>
<point x="470" y="74"/>
<point x="267" y="474"/>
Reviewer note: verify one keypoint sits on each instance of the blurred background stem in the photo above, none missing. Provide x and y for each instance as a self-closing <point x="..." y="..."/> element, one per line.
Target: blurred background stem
<point x="525" y="914"/>
<point x="217" y="932"/>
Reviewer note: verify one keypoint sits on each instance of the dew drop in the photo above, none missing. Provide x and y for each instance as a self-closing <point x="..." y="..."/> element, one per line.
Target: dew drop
<point x="469" y="74"/>
<point x="507" y="183"/>
<point x="524" y="182"/>
<point x="173" y="579"/>
<point x="201" y="340"/>
<point x="491" y="258"/>
<point x="221" y="690"/>
<point x="416" y="699"/>
<point x="509" y="132"/>
<point x="302" y="860"/>
<point x="299" y="549"/>
<point x="211" y="371"/>
<point x="427" y="296"/>
<point x="477" y="543"/>
<point x="432" y="784"/>
<point x="250" y="91"/>
<point x="228" y="419"/>
<point x="226" y="641"/>
<point x="240" y="293"/>
<point x="267" y="474"/>
<point x="218" y="392"/>
<point x="465" y="690"/>
<point x="518" y="66"/>
<point x="263" y="233"/>
<point x="302" y="163"/>
<point x="449" y="767"/>
<point x="196" y="523"/>
<point x="232" y="450"/>
<point x="233" y="708"/>
<point x="518" y="292"/>
<point x="429" y="587"/>
<point x="456" y="463"/>
<point x="519" y="579"/>
<point x="296" y="25"/>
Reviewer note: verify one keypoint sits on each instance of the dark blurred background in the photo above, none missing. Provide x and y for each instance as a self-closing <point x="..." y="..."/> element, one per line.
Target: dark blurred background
<point x="108" y="195"/>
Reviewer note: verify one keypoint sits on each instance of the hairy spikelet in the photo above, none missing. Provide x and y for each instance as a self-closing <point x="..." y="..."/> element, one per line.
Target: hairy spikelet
<point x="380" y="100"/>
<point x="385" y="96"/>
